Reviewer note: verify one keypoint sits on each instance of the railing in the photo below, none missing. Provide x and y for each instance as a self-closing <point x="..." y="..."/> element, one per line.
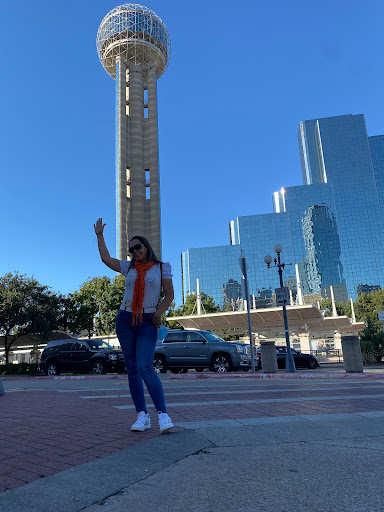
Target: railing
<point x="327" y="355"/>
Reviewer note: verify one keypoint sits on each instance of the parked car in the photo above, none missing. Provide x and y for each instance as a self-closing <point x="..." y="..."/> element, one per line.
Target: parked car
<point x="73" y="355"/>
<point x="301" y="360"/>
<point x="184" y="349"/>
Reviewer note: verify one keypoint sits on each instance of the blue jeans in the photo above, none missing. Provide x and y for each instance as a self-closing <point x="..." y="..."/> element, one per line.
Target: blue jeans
<point x="138" y="344"/>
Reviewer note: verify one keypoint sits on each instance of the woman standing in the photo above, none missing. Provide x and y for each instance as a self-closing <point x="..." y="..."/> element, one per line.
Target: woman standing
<point x="137" y="321"/>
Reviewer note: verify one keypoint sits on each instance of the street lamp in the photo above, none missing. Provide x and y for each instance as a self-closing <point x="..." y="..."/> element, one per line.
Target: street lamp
<point x="244" y="267"/>
<point x="290" y="363"/>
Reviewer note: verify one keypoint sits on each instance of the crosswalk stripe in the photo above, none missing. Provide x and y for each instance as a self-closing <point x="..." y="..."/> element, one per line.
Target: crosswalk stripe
<point x="225" y="392"/>
<point x="262" y="401"/>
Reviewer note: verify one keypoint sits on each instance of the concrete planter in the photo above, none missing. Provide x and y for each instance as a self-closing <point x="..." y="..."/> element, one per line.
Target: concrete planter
<point x="353" y="361"/>
<point x="268" y="357"/>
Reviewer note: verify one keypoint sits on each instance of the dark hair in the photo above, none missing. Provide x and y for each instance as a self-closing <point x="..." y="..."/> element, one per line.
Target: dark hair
<point x="151" y="255"/>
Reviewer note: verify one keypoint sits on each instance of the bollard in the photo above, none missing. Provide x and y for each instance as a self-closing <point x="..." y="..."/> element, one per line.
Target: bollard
<point x="353" y="361"/>
<point x="268" y="357"/>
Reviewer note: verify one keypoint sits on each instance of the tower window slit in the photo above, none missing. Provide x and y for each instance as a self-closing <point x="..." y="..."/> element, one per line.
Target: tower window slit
<point x="128" y="179"/>
<point x="147" y="184"/>
<point x="127" y="92"/>
<point x="145" y="102"/>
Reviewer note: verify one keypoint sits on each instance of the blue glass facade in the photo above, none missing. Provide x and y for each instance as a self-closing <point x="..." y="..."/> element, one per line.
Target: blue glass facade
<point x="216" y="268"/>
<point x="331" y="227"/>
<point x="342" y="159"/>
<point x="376" y="146"/>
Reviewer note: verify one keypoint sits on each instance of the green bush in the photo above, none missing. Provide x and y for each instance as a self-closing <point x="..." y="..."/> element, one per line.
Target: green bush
<point x="18" y="369"/>
<point x="369" y="351"/>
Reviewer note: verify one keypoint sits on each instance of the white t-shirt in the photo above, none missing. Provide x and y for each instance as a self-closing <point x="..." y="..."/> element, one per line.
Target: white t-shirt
<point x="152" y="282"/>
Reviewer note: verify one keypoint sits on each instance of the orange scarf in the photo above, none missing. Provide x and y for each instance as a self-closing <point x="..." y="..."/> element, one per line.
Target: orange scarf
<point x="139" y="290"/>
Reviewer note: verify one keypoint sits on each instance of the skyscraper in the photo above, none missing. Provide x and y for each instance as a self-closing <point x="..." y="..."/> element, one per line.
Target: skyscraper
<point x="134" y="47"/>
<point x="331" y="228"/>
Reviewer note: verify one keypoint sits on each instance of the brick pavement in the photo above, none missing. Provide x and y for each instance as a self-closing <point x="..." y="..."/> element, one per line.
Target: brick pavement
<point x="43" y="432"/>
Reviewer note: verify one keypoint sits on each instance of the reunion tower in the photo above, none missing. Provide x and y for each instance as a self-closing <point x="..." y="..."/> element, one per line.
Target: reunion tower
<point x="134" y="47"/>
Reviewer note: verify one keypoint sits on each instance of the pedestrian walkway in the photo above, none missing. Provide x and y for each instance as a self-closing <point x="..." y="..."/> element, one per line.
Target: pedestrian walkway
<point x="76" y="432"/>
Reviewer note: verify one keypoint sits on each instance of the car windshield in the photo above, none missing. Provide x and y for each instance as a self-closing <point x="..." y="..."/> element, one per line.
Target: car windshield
<point x="98" y="344"/>
<point x="212" y="337"/>
<point x="283" y="350"/>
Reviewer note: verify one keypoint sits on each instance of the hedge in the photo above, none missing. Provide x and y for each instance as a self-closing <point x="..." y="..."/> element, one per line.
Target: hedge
<point x="18" y="369"/>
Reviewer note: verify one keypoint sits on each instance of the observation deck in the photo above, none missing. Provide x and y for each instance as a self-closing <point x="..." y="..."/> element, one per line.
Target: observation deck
<point x="135" y="33"/>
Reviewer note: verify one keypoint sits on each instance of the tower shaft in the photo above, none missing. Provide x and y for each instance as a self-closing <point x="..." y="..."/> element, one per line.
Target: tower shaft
<point x="137" y="161"/>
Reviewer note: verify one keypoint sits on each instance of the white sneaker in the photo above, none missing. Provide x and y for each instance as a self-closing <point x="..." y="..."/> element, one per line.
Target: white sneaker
<point x="165" y="422"/>
<point x="142" y="423"/>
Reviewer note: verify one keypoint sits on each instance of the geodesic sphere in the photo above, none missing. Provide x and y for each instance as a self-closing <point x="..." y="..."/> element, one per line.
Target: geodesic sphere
<point x="135" y="33"/>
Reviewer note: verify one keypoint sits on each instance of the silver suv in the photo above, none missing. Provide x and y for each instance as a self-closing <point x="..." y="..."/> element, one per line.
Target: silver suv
<point x="197" y="349"/>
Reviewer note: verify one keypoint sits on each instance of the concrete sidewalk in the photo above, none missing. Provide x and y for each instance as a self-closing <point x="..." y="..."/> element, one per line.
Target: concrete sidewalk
<point x="291" y="446"/>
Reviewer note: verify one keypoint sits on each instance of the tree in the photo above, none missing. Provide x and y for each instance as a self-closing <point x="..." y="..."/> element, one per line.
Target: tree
<point x="367" y="307"/>
<point x="96" y="305"/>
<point x="171" y="324"/>
<point x="85" y="308"/>
<point x="372" y="343"/>
<point x="66" y="311"/>
<point x="26" y="307"/>
<point x="342" y="308"/>
<point x="109" y="304"/>
<point x="190" y="307"/>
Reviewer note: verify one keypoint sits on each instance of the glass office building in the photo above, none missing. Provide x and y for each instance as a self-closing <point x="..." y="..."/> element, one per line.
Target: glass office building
<point x="376" y="146"/>
<point x="331" y="227"/>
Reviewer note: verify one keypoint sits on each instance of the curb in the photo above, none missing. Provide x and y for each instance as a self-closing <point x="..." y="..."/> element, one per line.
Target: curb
<point x="66" y="377"/>
<point x="323" y="375"/>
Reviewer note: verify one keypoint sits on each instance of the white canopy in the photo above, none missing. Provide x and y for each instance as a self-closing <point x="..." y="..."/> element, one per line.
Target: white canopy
<point x="300" y="319"/>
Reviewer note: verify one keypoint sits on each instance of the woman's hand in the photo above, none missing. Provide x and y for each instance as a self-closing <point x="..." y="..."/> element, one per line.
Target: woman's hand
<point x="156" y="319"/>
<point x="99" y="227"/>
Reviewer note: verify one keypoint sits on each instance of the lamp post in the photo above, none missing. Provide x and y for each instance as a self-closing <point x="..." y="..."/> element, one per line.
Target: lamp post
<point x="290" y="363"/>
<point x="244" y="267"/>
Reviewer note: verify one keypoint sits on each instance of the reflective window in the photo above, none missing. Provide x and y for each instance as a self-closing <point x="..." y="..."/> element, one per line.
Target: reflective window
<point x="193" y="336"/>
<point x="173" y="337"/>
<point x="331" y="228"/>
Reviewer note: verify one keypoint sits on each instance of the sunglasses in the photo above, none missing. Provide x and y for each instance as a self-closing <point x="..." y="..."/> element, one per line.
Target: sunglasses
<point x="134" y="248"/>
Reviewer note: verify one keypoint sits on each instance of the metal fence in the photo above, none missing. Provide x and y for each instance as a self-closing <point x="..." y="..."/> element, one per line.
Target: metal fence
<point x="327" y="355"/>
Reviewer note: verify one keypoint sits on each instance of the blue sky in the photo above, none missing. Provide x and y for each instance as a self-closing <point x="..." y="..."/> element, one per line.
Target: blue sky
<point x="241" y="78"/>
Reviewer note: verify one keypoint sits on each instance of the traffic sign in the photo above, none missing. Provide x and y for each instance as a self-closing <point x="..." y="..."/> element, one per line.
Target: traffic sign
<point x="381" y="316"/>
<point x="282" y="296"/>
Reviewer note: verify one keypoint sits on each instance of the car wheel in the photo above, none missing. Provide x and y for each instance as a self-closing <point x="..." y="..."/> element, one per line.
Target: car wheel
<point x="221" y="363"/>
<point x="312" y="364"/>
<point x="159" y="364"/>
<point x="199" y="369"/>
<point x="98" y="368"/>
<point x="53" y="369"/>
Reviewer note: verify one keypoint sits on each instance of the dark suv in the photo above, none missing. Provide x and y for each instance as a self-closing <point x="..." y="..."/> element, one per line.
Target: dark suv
<point x="73" y="355"/>
<point x="301" y="360"/>
<point x="181" y="350"/>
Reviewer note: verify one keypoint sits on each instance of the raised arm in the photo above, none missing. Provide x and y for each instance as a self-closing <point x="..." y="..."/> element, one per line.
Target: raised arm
<point x="112" y="263"/>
